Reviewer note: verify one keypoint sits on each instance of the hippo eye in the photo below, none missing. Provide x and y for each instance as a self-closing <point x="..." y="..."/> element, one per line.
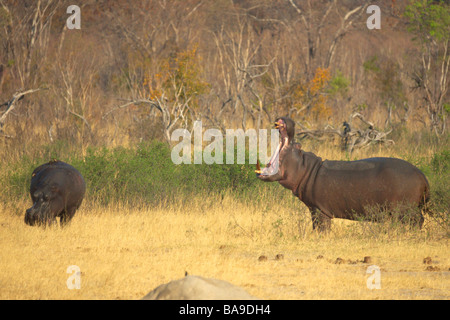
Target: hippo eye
<point x="45" y="197"/>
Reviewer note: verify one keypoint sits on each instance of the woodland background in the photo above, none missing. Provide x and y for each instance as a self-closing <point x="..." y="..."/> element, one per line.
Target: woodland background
<point x="136" y="71"/>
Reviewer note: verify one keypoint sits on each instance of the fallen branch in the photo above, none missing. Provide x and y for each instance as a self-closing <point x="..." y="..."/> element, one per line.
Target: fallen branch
<point x="82" y="119"/>
<point x="351" y="138"/>
<point x="134" y="102"/>
<point x="171" y="111"/>
<point x="319" y="134"/>
<point x="11" y="104"/>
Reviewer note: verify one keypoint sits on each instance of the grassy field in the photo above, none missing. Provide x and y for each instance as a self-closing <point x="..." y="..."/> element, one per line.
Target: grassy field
<point x="133" y="232"/>
<point x="124" y="253"/>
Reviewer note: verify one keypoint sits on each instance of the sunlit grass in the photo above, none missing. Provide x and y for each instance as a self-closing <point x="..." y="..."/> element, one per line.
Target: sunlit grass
<point x="128" y="246"/>
<point x="123" y="253"/>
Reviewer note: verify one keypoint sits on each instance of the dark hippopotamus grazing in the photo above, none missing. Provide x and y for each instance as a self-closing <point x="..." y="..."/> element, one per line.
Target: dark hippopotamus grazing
<point x="346" y="189"/>
<point x="57" y="190"/>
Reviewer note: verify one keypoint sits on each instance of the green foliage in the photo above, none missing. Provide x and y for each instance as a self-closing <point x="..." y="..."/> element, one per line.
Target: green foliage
<point x="362" y="106"/>
<point x="145" y="174"/>
<point x="447" y="108"/>
<point x="339" y="85"/>
<point x="429" y="20"/>
<point x="371" y="64"/>
<point x="437" y="171"/>
<point x="441" y="162"/>
<point x="440" y="187"/>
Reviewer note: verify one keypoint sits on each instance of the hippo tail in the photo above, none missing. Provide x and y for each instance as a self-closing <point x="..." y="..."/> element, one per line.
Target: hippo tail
<point x="424" y="203"/>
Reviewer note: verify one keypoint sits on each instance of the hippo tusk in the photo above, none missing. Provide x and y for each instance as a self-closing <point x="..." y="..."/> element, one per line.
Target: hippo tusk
<point x="258" y="167"/>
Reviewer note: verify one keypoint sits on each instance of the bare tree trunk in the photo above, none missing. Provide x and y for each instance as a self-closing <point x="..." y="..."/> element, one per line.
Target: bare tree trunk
<point x="11" y="104"/>
<point x="314" y="31"/>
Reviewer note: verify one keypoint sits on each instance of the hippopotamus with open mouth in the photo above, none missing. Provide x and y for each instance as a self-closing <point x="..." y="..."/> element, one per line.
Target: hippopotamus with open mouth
<point x="346" y="189"/>
<point x="57" y="190"/>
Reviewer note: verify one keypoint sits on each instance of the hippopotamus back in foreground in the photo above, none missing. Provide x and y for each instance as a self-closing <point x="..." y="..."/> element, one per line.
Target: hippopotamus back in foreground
<point x="57" y="190"/>
<point x="347" y="189"/>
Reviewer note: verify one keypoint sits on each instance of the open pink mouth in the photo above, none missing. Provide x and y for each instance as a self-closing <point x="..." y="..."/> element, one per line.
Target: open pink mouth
<point x="274" y="162"/>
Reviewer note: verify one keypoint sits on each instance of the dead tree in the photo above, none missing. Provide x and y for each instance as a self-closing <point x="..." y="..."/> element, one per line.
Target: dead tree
<point x="351" y="138"/>
<point x="238" y="53"/>
<point x="27" y="35"/>
<point x="362" y="138"/>
<point x="10" y="106"/>
<point x="173" y="112"/>
<point x="313" y="23"/>
<point x="76" y="89"/>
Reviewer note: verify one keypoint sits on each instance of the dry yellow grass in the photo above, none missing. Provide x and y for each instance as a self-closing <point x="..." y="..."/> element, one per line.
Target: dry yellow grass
<point x="123" y="253"/>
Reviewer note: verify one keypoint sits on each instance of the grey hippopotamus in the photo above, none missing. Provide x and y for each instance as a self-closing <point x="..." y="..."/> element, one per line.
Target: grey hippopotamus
<point x="346" y="189"/>
<point x="57" y="190"/>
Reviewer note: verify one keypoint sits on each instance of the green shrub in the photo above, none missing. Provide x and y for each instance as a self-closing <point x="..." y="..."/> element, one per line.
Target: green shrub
<point x="144" y="174"/>
<point x="441" y="162"/>
<point x="440" y="187"/>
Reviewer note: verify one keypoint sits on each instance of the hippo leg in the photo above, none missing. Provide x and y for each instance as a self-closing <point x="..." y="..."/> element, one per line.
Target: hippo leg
<point x="414" y="218"/>
<point x="66" y="216"/>
<point x="417" y="218"/>
<point x="419" y="221"/>
<point x="407" y="215"/>
<point x="320" y="221"/>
